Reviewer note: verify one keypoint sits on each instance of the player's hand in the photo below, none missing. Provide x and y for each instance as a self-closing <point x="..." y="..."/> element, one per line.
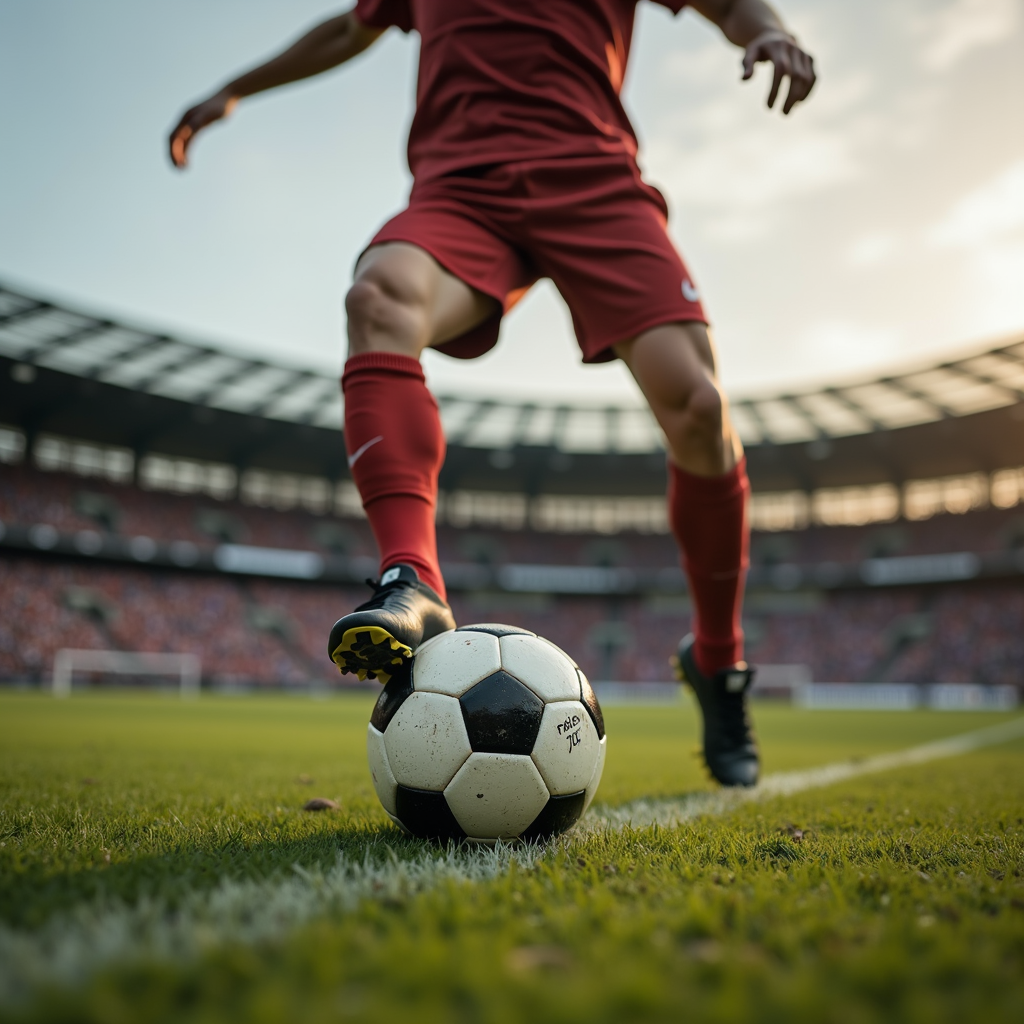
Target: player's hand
<point x="194" y="120"/>
<point x="788" y="59"/>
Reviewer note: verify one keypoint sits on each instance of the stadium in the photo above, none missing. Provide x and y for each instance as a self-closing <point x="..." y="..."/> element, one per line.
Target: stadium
<point x="176" y="517"/>
<point x="145" y="477"/>
<point x="567" y="798"/>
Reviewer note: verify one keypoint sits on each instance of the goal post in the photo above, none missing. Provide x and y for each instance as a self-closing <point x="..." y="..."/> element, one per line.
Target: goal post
<point x="68" y="660"/>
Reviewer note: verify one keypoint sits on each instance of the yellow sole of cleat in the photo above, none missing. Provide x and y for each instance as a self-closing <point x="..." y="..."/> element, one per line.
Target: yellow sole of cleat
<point x="677" y="669"/>
<point x="371" y="652"/>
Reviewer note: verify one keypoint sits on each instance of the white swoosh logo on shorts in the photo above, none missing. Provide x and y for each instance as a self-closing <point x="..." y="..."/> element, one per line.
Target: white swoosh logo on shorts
<point x="362" y="448"/>
<point x="689" y="292"/>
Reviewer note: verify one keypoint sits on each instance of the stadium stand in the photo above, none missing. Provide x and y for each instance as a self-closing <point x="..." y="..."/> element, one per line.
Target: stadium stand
<point x="888" y="544"/>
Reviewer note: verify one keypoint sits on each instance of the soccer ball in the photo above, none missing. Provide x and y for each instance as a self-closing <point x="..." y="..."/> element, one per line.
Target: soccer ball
<point x="492" y="733"/>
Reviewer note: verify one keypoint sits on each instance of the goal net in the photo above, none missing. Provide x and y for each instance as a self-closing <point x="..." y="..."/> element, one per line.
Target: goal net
<point x="68" y="660"/>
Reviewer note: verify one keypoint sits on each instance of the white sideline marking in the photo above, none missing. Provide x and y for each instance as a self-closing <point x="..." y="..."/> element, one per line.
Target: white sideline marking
<point x="668" y="812"/>
<point x="75" y="944"/>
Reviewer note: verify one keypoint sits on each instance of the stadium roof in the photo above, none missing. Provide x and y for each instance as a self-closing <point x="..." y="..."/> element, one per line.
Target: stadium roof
<point x="102" y="380"/>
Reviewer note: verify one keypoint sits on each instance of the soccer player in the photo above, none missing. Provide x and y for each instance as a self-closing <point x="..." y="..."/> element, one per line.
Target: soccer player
<point x="524" y="166"/>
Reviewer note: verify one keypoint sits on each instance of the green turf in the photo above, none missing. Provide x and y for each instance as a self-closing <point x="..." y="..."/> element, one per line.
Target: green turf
<point x="902" y="899"/>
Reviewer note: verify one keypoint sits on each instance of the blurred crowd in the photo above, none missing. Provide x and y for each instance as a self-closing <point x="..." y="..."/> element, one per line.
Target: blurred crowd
<point x="68" y="502"/>
<point x="950" y="634"/>
<point x="49" y="605"/>
<point x="258" y="632"/>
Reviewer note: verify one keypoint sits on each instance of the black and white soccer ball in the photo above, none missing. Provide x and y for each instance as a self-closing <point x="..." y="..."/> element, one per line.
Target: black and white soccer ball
<point x="492" y="733"/>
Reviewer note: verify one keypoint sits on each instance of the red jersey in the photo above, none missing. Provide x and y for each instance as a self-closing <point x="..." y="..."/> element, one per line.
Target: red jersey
<point x="503" y="81"/>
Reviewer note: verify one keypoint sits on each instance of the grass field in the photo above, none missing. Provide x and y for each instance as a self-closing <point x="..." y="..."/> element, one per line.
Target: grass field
<point x="155" y="864"/>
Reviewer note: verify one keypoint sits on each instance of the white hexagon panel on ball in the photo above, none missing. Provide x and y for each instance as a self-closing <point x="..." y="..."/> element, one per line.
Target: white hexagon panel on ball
<point x="380" y="770"/>
<point x="567" y="747"/>
<point x="426" y="741"/>
<point x="453" y="662"/>
<point x="496" y="796"/>
<point x="541" y="666"/>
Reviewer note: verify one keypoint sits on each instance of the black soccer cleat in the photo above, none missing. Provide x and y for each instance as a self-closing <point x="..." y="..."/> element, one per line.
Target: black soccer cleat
<point x="729" y="748"/>
<point x="384" y="632"/>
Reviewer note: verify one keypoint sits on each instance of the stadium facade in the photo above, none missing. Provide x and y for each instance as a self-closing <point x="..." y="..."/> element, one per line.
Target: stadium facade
<point x="145" y="477"/>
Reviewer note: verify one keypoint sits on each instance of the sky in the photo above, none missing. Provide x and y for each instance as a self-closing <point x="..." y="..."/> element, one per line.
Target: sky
<point x="880" y="225"/>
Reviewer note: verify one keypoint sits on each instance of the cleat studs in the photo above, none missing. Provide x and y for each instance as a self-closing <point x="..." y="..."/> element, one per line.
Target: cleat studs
<point x="369" y="651"/>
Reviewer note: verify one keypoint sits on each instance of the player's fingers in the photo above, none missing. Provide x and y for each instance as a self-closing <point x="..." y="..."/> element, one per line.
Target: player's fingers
<point x="193" y="121"/>
<point x="810" y="74"/>
<point x="751" y="56"/>
<point x="796" y="93"/>
<point x="801" y="82"/>
<point x="780" y="70"/>
<point x="791" y="96"/>
<point x="802" y="67"/>
<point x="180" y="138"/>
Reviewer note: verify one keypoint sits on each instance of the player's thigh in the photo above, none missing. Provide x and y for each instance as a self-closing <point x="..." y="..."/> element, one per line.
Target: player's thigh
<point x="441" y="305"/>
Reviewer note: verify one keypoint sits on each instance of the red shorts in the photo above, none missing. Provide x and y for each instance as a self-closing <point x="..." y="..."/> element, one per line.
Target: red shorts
<point x="591" y="225"/>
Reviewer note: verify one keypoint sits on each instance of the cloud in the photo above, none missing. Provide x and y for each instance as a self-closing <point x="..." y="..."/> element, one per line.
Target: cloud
<point x="733" y="166"/>
<point x="872" y="248"/>
<point x="1000" y="272"/>
<point x="986" y="229"/>
<point x="741" y="181"/>
<point x="961" y="27"/>
<point x="991" y="211"/>
<point x="843" y="345"/>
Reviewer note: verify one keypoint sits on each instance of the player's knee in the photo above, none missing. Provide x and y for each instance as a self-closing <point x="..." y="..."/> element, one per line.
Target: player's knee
<point x="380" y="316"/>
<point x="705" y="410"/>
<point x="370" y="308"/>
<point x="698" y="419"/>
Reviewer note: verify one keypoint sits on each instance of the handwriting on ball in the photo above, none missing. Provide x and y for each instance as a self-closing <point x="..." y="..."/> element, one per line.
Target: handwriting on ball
<point x="569" y="730"/>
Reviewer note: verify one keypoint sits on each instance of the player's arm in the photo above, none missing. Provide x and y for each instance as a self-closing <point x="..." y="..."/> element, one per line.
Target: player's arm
<point x="329" y="44"/>
<point x="753" y="25"/>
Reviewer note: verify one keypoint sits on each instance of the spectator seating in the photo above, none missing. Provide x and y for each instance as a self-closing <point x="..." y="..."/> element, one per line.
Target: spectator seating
<point x="261" y="632"/>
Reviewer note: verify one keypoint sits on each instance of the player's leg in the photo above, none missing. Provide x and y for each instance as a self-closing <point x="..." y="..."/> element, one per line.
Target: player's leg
<point x="600" y="233"/>
<point x="707" y="503"/>
<point x="401" y="302"/>
<point x="674" y="366"/>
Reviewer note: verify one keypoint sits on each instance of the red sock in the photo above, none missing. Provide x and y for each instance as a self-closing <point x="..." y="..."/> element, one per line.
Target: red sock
<point x="395" y="450"/>
<point x="708" y="515"/>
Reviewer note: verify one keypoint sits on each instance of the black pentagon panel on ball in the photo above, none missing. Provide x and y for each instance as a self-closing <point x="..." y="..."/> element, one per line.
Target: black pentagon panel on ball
<point x="591" y="704"/>
<point x="502" y="715"/>
<point x="495" y="629"/>
<point x="426" y="814"/>
<point x="558" y="814"/>
<point x="392" y="697"/>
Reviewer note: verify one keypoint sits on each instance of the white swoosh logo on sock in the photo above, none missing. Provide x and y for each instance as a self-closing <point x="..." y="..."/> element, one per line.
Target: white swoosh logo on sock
<point x="362" y="448"/>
